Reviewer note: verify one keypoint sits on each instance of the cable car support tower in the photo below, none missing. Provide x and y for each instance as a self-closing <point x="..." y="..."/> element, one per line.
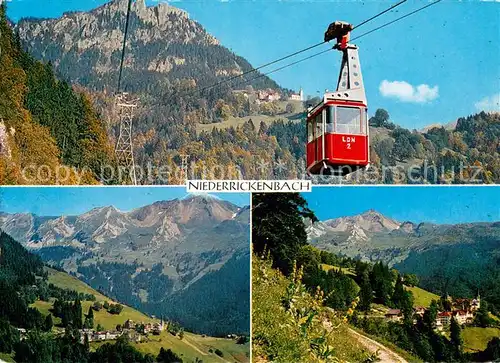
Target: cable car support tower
<point x="126" y="107"/>
<point x="124" y="146"/>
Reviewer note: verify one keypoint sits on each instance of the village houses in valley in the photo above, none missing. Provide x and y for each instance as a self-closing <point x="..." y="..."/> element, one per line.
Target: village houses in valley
<point x="463" y="310"/>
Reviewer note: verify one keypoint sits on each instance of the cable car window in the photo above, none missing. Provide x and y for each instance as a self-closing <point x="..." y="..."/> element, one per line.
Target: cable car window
<point x="319" y="125"/>
<point x="310" y="131"/>
<point x="348" y="120"/>
<point x="330" y="116"/>
<point x="363" y="121"/>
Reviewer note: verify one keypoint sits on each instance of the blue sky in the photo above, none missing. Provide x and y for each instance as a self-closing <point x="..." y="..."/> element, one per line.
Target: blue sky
<point x="416" y="204"/>
<point x="48" y="201"/>
<point x="452" y="48"/>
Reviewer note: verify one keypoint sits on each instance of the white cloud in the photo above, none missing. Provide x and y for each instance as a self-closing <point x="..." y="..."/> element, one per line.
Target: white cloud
<point x="405" y="92"/>
<point x="491" y="103"/>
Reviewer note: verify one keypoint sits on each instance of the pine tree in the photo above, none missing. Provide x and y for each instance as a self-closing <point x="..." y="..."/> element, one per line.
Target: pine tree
<point x="456" y="338"/>
<point x="86" y="342"/>
<point x="430" y="316"/>
<point x="77" y="314"/>
<point x="89" y="319"/>
<point x="399" y="295"/>
<point x="48" y="324"/>
<point x="366" y="293"/>
<point x="168" y="356"/>
<point x="482" y="317"/>
<point x="278" y="227"/>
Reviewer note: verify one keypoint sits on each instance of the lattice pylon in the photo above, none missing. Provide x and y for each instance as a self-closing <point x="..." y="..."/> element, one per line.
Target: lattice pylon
<point x="184" y="166"/>
<point x="124" y="147"/>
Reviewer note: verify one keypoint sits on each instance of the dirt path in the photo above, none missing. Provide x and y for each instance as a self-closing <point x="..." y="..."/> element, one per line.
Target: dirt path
<point x="200" y="351"/>
<point x="193" y="346"/>
<point x="385" y="354"/>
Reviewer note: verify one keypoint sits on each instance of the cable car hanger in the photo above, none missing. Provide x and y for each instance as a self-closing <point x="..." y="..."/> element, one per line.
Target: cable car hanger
<point x="337" y="128"/>
<point x="350" y="82"/>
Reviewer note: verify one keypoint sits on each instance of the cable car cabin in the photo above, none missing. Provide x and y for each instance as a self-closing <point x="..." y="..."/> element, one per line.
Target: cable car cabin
<point x="337" y="137"/>
<point x="337" y="128"/>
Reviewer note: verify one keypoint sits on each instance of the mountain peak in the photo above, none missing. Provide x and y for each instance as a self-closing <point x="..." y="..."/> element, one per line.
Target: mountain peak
<point x="372" y="212"/>
<point x="102" y="212"/>
<point x="200" y="197"/>
<point x="369" y="221"/>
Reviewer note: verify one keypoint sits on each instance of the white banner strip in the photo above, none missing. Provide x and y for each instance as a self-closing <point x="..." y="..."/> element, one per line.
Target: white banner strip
<point x="249" y="186"/>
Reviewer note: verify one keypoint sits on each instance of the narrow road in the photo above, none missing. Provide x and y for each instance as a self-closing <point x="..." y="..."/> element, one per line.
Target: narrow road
<point x="202" y="352"/>
<point x="385" y="354"/>
<point x="193" y="346"/>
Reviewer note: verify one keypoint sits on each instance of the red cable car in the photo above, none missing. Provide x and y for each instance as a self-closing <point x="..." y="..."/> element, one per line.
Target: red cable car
<point x="337" y="128"/>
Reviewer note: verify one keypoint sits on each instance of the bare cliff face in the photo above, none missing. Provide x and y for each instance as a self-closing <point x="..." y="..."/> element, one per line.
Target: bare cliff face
<point x="85" y="47"/>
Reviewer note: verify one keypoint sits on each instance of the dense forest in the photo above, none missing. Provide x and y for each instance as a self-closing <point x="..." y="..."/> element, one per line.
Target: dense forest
<point x="467" y="154"/>
<point x="220" y="307"/>
<point x="49" y="133"/>
<point x="22" y="281"/>
<point x="279" y="232"/>
<point x="460" y="270"/>
<point x="207" y="307"/>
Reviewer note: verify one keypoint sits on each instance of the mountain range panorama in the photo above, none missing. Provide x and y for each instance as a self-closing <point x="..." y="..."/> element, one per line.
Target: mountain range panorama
<point x="153" y="257"/>
<point x="448" y="258"/>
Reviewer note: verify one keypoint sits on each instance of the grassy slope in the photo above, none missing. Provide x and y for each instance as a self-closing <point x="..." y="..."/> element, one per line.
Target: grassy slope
<point x="421" y="296"/>
<point x="191" y="347"/>
<point x="107" y="321"/>
<point x="347" y="271"/>
<point x="277" y="335"/>
<point x="476" y="338"/>
<point x="238" y="121"/>
<point x="6" y="357"/>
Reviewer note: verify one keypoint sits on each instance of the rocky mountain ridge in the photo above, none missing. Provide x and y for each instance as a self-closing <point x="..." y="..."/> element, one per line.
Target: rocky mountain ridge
<point x="373" y="236"/>
<point x="163" y="219"/>
<point x="164" y="45"/>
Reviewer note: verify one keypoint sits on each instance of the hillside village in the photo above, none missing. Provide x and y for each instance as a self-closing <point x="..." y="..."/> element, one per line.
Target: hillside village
<point x="462" y="310"/>
<point x="269" y="95"/>
<point x="136" y="332"/>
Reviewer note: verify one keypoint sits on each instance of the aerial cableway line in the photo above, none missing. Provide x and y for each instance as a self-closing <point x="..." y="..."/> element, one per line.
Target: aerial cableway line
<point x="253" y="70"/>
<point x="330" y="49"/>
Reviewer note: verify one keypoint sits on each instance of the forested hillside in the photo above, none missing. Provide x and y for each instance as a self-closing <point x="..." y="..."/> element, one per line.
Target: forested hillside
<point x="49" y="133"/>
<point x="44" y="310"/>
<point x="458" y="259"/>
<point x="460" y="270"/>
<point x="362" y="291"/>
<point x="470" y="153"/>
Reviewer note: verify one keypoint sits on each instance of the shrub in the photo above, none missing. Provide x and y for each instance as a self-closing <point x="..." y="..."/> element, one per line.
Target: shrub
<point x="292" y="325"/>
